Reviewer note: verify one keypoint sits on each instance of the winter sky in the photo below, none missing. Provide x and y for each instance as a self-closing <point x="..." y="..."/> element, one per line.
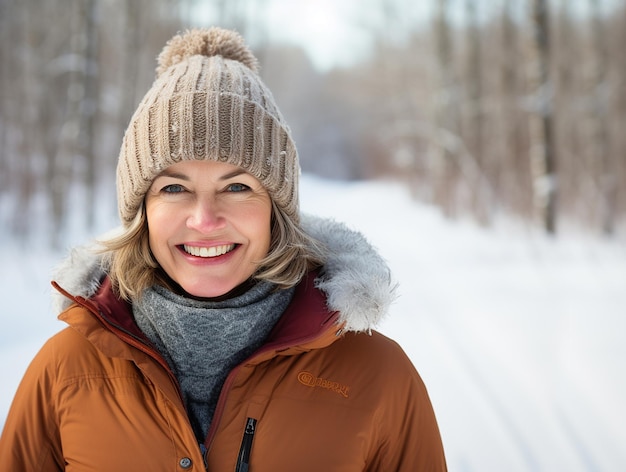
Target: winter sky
<point x="338" y="33"/>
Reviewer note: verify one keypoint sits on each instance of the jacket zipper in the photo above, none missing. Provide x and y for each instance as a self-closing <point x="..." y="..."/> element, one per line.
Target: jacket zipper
<point x="221" y="402"/>
<point x="243" y="461"/>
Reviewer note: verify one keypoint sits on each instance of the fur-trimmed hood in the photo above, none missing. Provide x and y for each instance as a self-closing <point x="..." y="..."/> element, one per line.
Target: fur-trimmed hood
<point x="355" y="278"/>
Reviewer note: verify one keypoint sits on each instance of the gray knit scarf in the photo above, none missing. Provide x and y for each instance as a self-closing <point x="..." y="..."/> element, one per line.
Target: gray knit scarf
<point x="203" y="341"/>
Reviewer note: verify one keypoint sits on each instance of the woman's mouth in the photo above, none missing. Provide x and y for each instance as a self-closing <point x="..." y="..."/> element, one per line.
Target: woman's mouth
<point x="207" y="252"/>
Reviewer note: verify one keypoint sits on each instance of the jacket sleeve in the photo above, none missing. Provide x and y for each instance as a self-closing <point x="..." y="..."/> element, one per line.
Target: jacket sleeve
<point x="409" y="438"/>
<point x="30" y="439"/>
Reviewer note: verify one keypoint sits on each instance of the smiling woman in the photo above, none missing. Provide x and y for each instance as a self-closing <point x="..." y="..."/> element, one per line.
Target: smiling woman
<point x="208" y="225"/>
<point x="220" y="320"/>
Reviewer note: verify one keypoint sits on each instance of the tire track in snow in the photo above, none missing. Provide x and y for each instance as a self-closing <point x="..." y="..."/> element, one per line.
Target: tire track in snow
<point x="465" y="358"/>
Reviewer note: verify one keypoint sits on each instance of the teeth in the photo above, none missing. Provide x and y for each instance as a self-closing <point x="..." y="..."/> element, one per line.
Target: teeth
<point x="212" y="251"/>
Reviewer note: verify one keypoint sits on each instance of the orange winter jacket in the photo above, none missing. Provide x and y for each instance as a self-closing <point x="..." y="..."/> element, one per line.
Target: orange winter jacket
<point x="319" y="395"/>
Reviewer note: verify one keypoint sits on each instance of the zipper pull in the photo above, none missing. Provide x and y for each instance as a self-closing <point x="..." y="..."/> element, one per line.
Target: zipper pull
<point x="243" y="461"/>
<point x="205" y="452"/>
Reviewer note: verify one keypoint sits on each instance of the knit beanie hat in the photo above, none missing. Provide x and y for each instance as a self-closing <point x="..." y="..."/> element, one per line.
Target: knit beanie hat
<point x="207" y="103"/>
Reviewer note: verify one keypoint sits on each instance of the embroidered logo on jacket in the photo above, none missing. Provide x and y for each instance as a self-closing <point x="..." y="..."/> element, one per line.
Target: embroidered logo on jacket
<point x="310" y="380"/>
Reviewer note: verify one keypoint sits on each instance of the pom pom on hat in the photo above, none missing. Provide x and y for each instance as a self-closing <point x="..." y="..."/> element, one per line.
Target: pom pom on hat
<point x="207" y="103"/>
<point x="206" y="42"/>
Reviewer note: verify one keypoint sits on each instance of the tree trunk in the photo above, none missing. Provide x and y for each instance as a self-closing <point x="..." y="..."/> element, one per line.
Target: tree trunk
<point x="599" y="136"/>
<point x="89" y="109"/>
<point x="441" y="160"/>
<point x="473" y="134"/>
<point x="511" y="162"/>
<point x="541" y="137"/>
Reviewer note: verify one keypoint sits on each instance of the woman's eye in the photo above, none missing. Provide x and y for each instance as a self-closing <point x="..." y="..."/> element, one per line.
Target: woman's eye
<point x="237" y="188"/>
<point x="173" y="188"/>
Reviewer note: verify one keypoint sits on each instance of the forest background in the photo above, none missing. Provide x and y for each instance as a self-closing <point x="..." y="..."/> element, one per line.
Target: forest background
<point x="483" y="108"/>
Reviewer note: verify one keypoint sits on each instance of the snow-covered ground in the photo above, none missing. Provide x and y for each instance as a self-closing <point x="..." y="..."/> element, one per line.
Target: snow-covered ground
<point x="518" y="336"/>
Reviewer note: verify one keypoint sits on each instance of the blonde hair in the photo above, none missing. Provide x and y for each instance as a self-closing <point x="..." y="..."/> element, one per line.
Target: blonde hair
<point x="133" y="268"/>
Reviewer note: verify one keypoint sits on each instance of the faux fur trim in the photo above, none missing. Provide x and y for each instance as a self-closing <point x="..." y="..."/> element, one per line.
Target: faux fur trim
<point x="80" y="274"/>
<point x="355" y="278"/>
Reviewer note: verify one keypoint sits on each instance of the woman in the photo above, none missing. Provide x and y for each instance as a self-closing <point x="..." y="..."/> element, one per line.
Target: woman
<point x="220" y="330"/>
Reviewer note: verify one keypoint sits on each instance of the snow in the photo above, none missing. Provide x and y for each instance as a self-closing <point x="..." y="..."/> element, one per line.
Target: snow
<point x="517" y="335"/>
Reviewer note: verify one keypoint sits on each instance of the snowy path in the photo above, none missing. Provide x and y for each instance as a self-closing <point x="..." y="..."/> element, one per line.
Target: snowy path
<point x="518" y="337"/>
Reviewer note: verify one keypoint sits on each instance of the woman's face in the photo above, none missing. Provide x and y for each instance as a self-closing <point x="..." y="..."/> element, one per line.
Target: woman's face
<point x="208" y="225"/>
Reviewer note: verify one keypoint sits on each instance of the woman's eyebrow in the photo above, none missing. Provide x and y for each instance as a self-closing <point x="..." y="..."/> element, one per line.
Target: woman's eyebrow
<point x="178" y="175"/>
<point x="173" y="174"/>
<point x="232" y="174"/>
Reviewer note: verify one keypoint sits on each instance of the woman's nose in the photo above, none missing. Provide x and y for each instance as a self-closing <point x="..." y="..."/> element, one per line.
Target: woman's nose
<point x="206" y="215"/>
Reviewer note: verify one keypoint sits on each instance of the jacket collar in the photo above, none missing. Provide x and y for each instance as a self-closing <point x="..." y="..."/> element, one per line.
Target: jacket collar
<point x="355" y="280"/>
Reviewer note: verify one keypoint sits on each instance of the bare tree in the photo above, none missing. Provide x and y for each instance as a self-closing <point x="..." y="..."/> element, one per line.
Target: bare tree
<point x="473" y="83"/>
<point x="89" y="107"/>
<point x="509" y="167"/>
<point x="24" y="115"/>
<point x="5" y="59"/>
<point x="447" y="119"/>
<point x="542" y="151"/>
<point x="598" y="121"/>
<point x="75" y="118"/>
<point x="474" y="104"/>
<point x="566" y="102"/>
<point x="619" y="109"/>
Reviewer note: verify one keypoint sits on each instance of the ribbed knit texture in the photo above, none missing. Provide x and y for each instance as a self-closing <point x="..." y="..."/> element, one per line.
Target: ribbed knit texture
<point x="203" y="341"/>
<point x="208" y="103"/>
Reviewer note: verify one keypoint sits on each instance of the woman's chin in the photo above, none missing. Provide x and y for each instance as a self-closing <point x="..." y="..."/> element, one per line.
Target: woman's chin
<point x="215" y="292"/>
